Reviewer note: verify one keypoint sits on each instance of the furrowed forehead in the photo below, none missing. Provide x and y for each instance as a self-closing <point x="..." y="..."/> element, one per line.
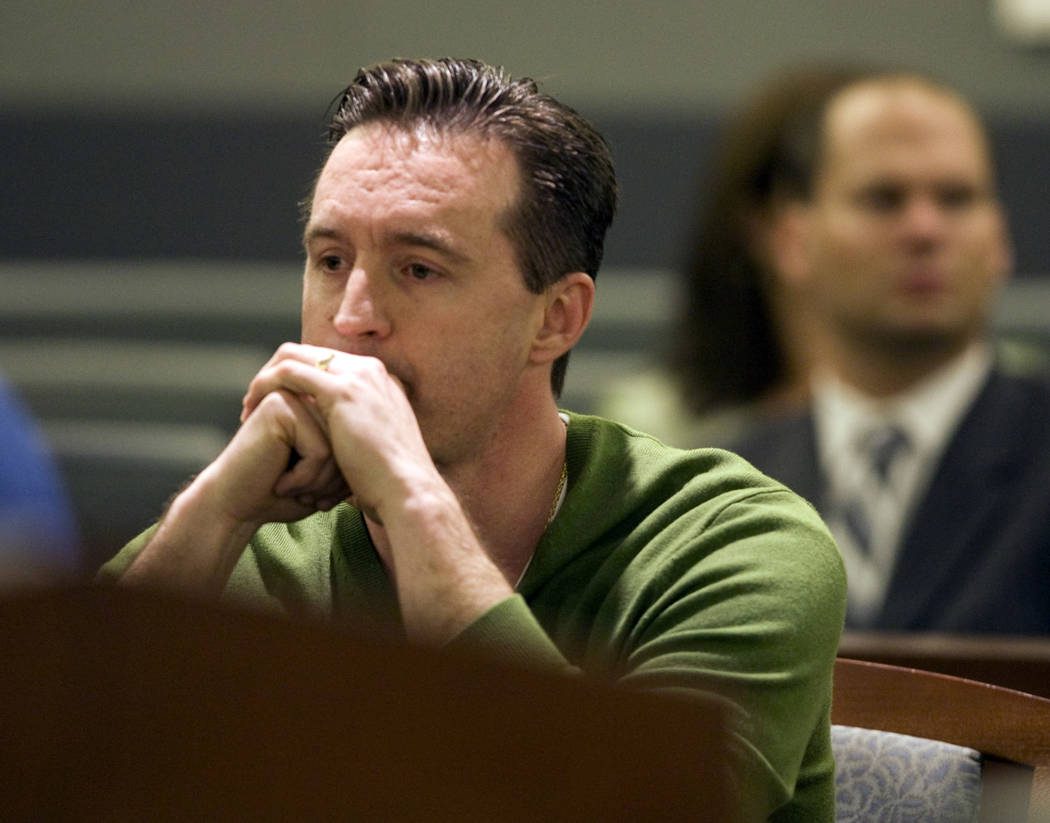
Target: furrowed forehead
<point x="413" y="188"/>
<point x="395" y="141"/>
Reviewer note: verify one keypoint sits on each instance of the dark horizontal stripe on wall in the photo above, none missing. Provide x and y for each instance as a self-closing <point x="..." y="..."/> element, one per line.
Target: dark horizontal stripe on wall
<point x="126" y="185"/>
<point x="226" y="186"/>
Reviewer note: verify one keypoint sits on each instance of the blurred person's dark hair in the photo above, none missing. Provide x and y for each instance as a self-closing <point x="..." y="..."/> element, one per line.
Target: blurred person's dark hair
<point x="728" y="346"/>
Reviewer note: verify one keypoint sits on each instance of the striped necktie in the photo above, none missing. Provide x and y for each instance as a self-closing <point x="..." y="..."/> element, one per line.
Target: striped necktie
<point x="882" y="447"/>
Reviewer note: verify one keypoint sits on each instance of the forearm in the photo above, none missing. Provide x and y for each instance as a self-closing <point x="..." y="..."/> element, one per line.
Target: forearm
<point x="445" y="579"/>
<point x="194" y="547"/>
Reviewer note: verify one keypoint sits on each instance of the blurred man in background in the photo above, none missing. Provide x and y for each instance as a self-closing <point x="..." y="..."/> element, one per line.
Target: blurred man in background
<point x="928" y="460"/>
<point x="741" y="349"/>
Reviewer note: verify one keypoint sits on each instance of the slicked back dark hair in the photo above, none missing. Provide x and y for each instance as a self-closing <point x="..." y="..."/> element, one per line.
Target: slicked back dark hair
<point x="568" y="186"/>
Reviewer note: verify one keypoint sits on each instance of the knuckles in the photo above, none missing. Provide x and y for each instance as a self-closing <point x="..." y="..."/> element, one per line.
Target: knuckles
<point x="280" y="404"/>
<point x="355" y="376"/>
<point x="285" y="350"/>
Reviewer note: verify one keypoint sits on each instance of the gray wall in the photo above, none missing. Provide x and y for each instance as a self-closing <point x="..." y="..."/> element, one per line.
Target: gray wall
<point x="189" y="130"/>
<point x="667" y="54"/>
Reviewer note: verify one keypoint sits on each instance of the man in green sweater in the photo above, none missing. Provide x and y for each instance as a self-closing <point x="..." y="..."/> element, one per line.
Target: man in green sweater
<point x="406" y="468"/>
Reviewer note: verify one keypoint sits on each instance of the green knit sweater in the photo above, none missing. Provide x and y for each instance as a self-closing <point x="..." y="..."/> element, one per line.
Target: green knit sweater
<point x="664" y="570"/>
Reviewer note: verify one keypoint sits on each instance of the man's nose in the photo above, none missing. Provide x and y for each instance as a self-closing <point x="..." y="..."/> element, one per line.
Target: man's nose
<point x="924" y="219"/>
<point x="361" y="311"/>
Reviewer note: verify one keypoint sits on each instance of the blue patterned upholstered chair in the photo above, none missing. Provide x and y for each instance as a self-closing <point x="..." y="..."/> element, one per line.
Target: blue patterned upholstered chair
<point x="884" y="776"/>
<point x="917" y="747"/>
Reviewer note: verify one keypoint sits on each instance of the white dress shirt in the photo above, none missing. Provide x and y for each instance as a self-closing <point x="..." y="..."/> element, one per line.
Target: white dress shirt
<point x="928" y="413"/>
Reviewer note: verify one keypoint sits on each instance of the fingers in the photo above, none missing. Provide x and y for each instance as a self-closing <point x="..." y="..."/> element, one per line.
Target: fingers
<point x="313" y="479"/>
<point x="359" y="414"/>
<point x="314" y="475"/>
<point x="251" y="480"/>
<point x="322" y="378"/>
<point x="294" y="366"/>
<point x="326" y="498"/>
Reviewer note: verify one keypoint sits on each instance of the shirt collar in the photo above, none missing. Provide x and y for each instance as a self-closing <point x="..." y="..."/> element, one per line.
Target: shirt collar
<point x="929" y="411"/>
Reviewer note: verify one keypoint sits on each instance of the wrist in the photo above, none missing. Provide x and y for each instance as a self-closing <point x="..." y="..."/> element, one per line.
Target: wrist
<point x="419" y="492"/>
<point x="202" y="502"/>
<point x="195" y="546"/>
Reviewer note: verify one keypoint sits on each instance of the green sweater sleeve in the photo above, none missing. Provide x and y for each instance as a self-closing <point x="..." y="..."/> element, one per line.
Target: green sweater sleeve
<point x="510" y="632"/>
<point x="752" y="610"/>
<point x="115" y="567"/>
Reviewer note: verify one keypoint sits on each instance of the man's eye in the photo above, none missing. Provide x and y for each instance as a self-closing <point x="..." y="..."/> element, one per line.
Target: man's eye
<point x="956" y="197"/>
<point x="331" y="262"/>
<point x="882" y="198"/>
<point x="418" y="271"/>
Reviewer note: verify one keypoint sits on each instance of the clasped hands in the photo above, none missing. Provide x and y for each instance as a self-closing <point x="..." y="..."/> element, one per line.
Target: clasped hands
<point x="357" y="437"/>
<point x="345" y="416"/>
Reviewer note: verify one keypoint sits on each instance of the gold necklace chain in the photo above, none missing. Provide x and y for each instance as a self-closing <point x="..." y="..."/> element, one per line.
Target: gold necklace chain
<point x="550" y="517"/>
<point x="557" y="493"/>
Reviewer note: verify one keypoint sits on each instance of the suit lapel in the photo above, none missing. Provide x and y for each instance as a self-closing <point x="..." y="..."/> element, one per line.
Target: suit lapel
<point x="970" y="485"/>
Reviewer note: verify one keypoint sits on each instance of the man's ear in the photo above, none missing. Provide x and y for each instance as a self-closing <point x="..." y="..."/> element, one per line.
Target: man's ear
<point x="1002" y="262"/>
<point x="788" y="244"/>
<point x="568" y="311"/>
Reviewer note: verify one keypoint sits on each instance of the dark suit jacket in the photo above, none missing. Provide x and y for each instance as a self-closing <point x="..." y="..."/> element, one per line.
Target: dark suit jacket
<point x="976" y="554"/>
